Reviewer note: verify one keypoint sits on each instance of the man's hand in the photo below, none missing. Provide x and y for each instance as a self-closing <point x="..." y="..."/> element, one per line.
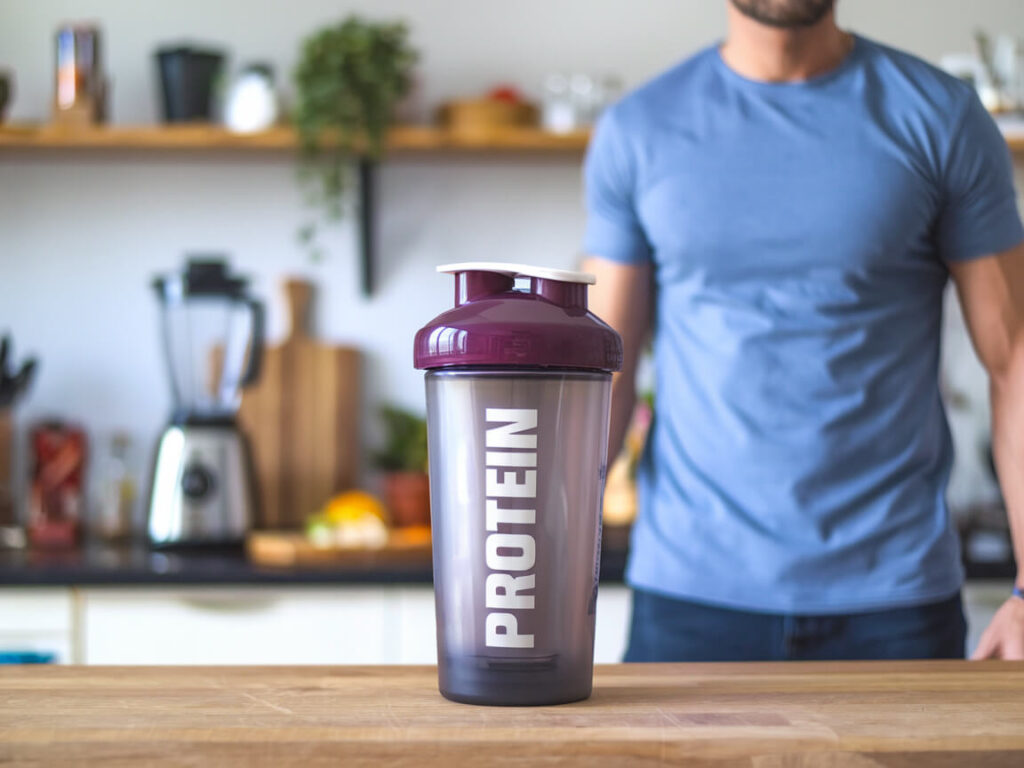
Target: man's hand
<point x="1004" y="638"/>
<point x="992" y="295"/>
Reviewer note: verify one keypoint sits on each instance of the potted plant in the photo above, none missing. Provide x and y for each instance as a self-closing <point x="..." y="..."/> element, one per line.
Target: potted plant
<point x="404" y="463"/>
<point x="348" y="80"/>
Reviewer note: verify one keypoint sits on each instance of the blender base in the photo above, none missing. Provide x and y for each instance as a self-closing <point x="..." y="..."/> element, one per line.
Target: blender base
<point x="202" y="487"/>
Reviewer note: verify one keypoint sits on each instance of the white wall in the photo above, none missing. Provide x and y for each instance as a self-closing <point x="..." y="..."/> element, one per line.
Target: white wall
<point x="82" y="234"/>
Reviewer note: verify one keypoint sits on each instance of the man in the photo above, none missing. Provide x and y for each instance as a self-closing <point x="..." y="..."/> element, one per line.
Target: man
<point x="792" y="203"/>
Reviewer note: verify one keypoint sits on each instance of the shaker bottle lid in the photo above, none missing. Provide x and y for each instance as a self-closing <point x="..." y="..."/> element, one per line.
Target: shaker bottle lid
<point x="542" y="322"/>
<point x="518" y="270"/>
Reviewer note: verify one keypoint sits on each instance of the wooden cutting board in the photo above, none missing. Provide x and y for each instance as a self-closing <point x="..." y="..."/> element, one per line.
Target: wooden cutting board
<point x="302" y="419"/>
<point x="281" y="549"/>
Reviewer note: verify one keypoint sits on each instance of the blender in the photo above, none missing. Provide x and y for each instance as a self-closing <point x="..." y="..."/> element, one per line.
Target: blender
<point x="213" y="342"/>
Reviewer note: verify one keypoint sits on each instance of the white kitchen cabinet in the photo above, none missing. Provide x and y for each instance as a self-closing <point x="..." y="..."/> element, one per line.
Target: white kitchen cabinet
<point x="612" y="631"/>
<point x="378" y="624"/>
<point x="417" y="626"/>
<point x="241" y="625"/>
<point x="38" y="619"/>
<point x="372" y="624"/>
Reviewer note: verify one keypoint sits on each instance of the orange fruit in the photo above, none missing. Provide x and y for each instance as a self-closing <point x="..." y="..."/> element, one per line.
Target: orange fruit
<point x="352" y="506"/>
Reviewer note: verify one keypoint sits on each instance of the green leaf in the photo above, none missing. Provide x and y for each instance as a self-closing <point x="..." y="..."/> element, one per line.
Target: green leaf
<point x="405" y="443"/>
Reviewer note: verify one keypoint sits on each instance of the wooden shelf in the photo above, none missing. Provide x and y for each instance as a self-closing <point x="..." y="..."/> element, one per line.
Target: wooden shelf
<point x="203" y="137"/>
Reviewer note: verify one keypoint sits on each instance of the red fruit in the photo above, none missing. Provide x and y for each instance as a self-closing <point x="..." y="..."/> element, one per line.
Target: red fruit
<point x="507" y="93"/>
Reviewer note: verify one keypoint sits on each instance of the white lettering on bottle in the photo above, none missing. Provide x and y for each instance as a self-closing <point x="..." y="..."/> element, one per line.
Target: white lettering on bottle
<point x="517" y="420"/>
<point x="497" y="515"/>
<point x="510" y="459"/>
<point x="508" y="475"/>
<point x="503" y="591"/>
<point x="505" y="483"/>
<point x="519" y="553"/>
<point x="502" y="631"/>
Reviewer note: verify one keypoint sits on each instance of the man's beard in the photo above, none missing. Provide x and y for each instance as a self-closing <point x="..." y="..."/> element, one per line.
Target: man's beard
<point x="785" y="14"/>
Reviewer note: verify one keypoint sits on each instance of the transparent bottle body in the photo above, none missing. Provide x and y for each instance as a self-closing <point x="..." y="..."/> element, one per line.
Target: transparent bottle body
<point x="517" y="466"/>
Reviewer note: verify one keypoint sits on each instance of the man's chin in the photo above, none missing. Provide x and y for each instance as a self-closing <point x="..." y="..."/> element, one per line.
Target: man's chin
<point x="785" y="14"/>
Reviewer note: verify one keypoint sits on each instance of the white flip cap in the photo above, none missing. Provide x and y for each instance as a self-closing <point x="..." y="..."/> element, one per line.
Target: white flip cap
<point x="519" y="270"/>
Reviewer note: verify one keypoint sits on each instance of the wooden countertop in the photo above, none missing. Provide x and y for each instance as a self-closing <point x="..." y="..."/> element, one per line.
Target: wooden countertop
<point x="935" y="714"/>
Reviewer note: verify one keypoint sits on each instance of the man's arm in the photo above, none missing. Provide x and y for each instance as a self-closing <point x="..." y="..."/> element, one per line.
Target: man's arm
<point x="622" y="298"/>
<point x="991" y="291"/>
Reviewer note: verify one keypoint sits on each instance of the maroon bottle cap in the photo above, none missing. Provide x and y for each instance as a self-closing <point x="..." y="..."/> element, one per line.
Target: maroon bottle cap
<point x="542" y="322"/>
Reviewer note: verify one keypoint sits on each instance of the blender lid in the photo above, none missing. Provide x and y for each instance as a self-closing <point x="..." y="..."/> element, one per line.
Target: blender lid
<point x="205" y="275"/>
<point x="543" y="323"/>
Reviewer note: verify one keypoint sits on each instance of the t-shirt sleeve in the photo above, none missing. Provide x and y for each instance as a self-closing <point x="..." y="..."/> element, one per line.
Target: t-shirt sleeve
<point x="613" y="230"/>
<point x="979" y="214"/>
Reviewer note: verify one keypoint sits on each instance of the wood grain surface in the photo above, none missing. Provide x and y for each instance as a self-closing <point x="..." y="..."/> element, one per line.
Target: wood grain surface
<point x="204" y="137"/>
<point x="302" y="419"/>
<point x="208" y="137"/>
<point x="892" y="714"/>
<point x="287" y="549"/>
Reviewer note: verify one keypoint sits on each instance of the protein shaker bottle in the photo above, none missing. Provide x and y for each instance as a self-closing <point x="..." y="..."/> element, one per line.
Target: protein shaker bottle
<point x="518" y="391"/>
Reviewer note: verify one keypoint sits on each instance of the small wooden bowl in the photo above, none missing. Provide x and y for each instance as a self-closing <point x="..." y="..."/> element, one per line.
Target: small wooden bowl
<point x="479" y="119"/>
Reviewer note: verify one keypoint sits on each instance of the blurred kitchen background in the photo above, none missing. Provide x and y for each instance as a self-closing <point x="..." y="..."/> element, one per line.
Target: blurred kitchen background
<point x="114" y="172"/>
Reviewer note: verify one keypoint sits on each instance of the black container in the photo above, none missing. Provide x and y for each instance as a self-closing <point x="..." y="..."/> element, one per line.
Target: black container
<point x="188" y="77"/>
<point x="6" y="80"/>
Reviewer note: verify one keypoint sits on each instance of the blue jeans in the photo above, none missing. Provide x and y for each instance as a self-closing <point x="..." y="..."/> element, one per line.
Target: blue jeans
<point x="666" y="629"/>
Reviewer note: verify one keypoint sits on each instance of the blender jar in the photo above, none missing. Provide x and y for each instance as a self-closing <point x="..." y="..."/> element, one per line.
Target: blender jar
<point x="213" y="339"/>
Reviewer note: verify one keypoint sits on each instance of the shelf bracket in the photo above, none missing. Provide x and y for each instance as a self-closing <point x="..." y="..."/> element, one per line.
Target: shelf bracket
<point x="367" y="217"/>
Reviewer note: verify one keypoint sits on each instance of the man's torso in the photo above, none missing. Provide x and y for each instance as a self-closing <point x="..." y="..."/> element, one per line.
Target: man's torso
<point x="799" y="442"/>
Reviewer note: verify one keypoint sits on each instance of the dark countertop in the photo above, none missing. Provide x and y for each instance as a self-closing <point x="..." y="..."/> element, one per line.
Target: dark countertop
<point x="106" y="565"/>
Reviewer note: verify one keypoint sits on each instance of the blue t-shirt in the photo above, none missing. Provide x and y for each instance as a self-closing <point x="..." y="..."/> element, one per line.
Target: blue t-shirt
<point x="799" y="235"/>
